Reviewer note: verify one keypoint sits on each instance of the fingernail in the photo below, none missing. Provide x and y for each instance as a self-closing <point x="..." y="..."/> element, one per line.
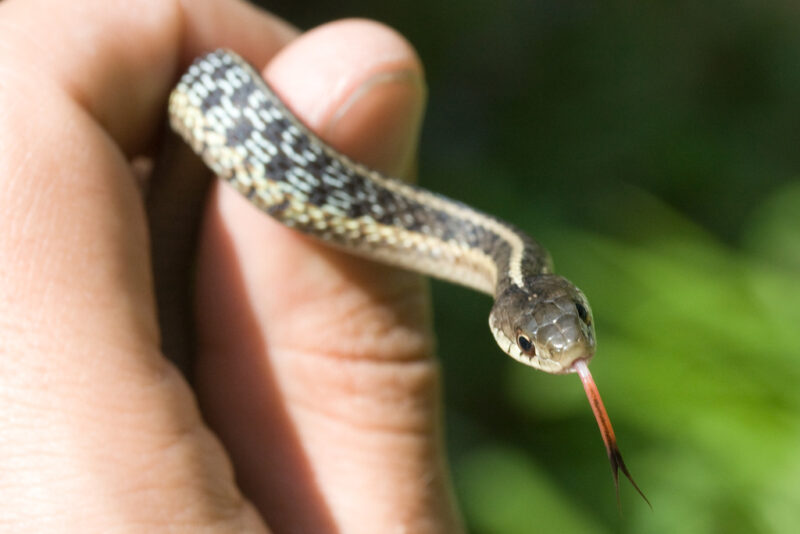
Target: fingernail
<point x="381" y="119"/>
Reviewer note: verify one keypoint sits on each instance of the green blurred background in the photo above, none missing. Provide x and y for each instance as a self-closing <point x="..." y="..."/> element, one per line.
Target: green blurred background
<point x="654" y="148"/>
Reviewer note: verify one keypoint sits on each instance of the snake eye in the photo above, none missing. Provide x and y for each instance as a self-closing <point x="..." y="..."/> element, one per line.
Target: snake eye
<point x="525" y="344"/>
<point x="582" y="312"/>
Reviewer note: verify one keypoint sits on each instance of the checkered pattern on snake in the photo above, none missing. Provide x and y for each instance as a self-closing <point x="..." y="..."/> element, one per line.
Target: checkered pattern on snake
<point x="246" y="135"/>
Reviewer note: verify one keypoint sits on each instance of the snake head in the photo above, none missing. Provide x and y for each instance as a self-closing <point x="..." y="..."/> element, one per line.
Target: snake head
<point x="547" y="324"/>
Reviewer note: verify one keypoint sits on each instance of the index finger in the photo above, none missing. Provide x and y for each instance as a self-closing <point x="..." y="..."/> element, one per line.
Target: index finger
<point x="96" y="409"/>
<point x="119" y="60"/>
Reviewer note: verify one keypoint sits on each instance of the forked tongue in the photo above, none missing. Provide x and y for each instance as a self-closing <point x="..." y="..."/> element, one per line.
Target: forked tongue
<point x="606" y="430"/>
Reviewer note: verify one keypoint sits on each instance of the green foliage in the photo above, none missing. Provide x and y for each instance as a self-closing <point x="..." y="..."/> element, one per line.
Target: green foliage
<point x="654" y="148"/>
<point x="699" y="365"/>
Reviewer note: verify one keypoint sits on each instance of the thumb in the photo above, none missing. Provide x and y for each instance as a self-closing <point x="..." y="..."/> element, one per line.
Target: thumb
<point x="315" y="367"/>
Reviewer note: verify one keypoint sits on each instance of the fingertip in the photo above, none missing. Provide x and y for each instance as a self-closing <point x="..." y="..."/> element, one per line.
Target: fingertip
<point x="252" y="32"/>
<point x="360" y="85"/>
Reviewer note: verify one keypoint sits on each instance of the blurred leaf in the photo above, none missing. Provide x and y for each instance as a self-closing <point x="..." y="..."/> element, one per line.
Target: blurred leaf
<point x="774" y="233"/>
<point x="653" y="148"/>
<point x="491" y="474"/>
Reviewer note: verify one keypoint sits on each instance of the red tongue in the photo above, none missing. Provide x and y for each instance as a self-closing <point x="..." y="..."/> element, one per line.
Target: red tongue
<point x="606" y="430"/>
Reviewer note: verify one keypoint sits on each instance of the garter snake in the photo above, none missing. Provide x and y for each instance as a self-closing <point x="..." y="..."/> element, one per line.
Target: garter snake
<point x="248" y="137"/>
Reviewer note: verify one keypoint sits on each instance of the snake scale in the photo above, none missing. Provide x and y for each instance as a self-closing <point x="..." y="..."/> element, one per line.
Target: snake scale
<point x="243" y="131"/>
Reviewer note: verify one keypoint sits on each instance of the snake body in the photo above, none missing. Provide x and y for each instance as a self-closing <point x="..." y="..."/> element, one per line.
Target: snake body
<point x="247" y="136"/>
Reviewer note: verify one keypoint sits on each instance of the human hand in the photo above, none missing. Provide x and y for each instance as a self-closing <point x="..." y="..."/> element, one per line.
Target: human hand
<point x="313" y="368"/>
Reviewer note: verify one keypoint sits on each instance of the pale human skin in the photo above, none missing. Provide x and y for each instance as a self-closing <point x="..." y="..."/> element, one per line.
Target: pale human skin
<point x="313" y="371"/>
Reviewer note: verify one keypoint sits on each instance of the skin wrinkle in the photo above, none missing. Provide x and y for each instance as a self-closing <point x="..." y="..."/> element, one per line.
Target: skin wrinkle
<point x="382" y="55"/>
<point x="371" y="449"/>
<point x="365" y="317"/>
<point x="377" y="320"/>
<point x="390" y="77"/>
<point x="372" y="429"/>
<point x="401" y="158"/>
<point x="371" y="344"/>
<point x="363" y="389"/>
<point x="379" y="453"/>
<point x="364" y="349"/>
